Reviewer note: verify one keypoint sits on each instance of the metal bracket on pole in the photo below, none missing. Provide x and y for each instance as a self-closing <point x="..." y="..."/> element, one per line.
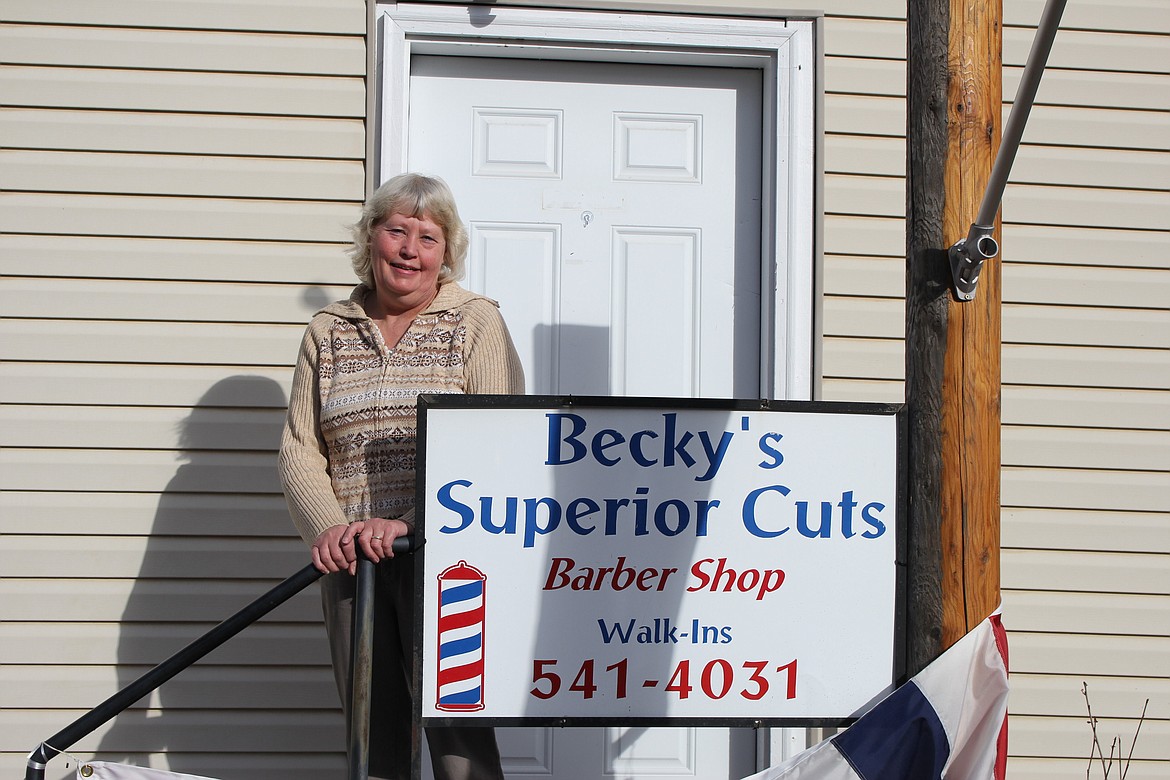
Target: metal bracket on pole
<point x="968" y="254"/>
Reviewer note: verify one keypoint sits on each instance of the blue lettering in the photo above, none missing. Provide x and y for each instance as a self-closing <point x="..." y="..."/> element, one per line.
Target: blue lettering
<point x="577" y="509"/>
<point x="637" y="515"/>
<point x="555" y="458"/>
<point x="608" y="633"/>
<point x="847" y="506"/>
<point x="679" y="447"/>
<point x="636" y="447"/>
<point x="682" y="517"/>
<point x="600" y="445"/>
<point x="749" y="511"/>
<point x="569" y="442"/>
<point x="640" y="511"/>
<point x="824" y="531"/>
<point x="704" y="507"/>
<point x="612" y="505"/>
<point x="532" y="528"/>
<point x="867" y="514"/>
<point x="766" y="442"/>
<point x="485" y="514"/>
<point x="714" y="456"/>
<point x="448" y="502"/>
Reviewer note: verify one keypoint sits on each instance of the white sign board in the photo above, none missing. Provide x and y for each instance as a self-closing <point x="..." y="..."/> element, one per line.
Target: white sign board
<point x="595" y="559"/>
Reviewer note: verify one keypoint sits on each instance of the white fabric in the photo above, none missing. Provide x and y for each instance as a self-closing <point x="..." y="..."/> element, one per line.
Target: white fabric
<point x="101" y="770"/>
<point x="966" y="687"/>
<point x="819" y="762"/>
<point x="971" y="706"/>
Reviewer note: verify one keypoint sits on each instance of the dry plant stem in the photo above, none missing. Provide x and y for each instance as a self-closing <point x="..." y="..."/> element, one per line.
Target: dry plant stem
<point x="1096" y="746"/>
<point x="1132" y="745"/>
<point x="1116" y="747"/>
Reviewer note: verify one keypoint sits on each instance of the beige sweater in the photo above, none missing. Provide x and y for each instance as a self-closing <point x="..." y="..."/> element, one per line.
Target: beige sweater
<point x="347" y="452"/>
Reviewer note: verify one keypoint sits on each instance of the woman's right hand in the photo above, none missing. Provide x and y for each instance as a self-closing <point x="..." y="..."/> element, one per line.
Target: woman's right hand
<point x="336" y="548"/>
<point x="330" y="555"/>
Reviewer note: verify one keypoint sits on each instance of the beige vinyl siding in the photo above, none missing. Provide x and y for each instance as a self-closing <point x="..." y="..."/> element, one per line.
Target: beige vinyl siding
<point x="176" y="183"/>
<point x="1086" y="356"/>
<point x="1086" y="437"/>
<point x="864" y="203"/>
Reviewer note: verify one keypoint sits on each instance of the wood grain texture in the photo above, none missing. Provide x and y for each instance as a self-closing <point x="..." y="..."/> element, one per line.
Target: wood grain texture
<point x="952" y="349"/>
<point x="971" y="386"/>
<point x="926" y="321"/>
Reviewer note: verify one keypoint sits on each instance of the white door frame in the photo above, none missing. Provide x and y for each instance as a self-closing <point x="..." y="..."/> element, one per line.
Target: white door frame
<point x="791" y="114"/>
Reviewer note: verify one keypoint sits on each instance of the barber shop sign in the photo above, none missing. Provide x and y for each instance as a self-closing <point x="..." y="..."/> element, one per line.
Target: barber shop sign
<point x="645" y="560"/>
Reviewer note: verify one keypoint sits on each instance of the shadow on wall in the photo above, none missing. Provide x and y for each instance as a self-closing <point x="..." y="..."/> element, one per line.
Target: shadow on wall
<point x="220" y="539"/>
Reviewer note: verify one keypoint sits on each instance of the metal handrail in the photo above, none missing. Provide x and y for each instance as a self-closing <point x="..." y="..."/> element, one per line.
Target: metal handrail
<point x="967" y="255"/>
<point x="361" y="666"/>
<point x="151" y="680"/>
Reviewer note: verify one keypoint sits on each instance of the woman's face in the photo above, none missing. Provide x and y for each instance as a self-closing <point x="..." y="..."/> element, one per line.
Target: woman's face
<point x="407" y="255"/>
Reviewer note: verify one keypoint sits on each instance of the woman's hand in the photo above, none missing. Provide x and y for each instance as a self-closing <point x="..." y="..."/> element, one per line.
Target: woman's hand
<point x="336" y="548"/>
<point x="376" y="536"/>
<point x="330" y="555"/>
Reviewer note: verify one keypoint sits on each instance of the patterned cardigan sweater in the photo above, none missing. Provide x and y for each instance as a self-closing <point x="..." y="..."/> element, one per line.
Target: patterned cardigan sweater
<point x="347" y="452"/>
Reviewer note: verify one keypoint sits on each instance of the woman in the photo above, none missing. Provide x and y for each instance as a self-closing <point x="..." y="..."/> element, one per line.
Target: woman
<point x="347" y="453"/>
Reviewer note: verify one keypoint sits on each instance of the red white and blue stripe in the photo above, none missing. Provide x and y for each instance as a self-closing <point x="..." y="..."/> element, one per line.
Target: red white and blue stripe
<point x="947" y="723"/>
<point x="461" y="638"/>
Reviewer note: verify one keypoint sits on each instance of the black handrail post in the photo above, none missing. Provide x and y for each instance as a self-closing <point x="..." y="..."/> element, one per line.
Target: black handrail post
<point x="362" y="667"/>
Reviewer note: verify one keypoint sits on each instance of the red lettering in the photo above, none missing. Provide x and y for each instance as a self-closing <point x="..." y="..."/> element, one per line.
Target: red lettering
<point x="722" y="571"/>
<point x="726" y="579"/>
<point x="564" y="572"/>
<point x="623" y="576"/>
<point x="700" y="575"/>
<point x="604" y="570"/>
<point x="557" y="578"/>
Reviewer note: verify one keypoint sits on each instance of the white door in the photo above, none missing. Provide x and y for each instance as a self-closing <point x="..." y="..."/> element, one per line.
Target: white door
<point x="614" y="211"/>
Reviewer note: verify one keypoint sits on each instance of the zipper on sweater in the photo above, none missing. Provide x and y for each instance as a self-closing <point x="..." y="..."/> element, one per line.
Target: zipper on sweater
<point x="373" y="336"/>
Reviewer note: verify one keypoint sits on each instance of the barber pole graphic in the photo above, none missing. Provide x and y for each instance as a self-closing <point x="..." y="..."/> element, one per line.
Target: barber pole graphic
<point x="461" y="613"/>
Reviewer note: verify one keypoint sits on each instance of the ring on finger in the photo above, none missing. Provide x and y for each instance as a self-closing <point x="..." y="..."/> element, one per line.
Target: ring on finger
<point x="375" y="537"/>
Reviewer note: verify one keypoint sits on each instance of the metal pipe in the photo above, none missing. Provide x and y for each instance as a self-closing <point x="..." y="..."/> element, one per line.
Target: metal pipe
<point x="1025" y="95"/>
<point x="92" y="720"/>
<point x="967" y="255"/>
<point x="362" y="661"/>
<point x="89" y="722"/>
<point x="362" y="667"/>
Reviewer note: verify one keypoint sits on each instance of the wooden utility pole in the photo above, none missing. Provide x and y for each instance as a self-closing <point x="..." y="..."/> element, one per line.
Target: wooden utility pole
<point x="954" y="100"/>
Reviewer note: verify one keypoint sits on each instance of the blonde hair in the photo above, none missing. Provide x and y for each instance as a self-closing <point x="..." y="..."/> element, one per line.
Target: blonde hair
<point x="412" y="195"/>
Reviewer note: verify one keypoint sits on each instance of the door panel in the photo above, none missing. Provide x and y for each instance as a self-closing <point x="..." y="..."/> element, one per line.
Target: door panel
<point x="656" y="292"/>
<point x="637" y="186"/>
<point x="519" y="263"/>
<point x="614" y="211"/>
